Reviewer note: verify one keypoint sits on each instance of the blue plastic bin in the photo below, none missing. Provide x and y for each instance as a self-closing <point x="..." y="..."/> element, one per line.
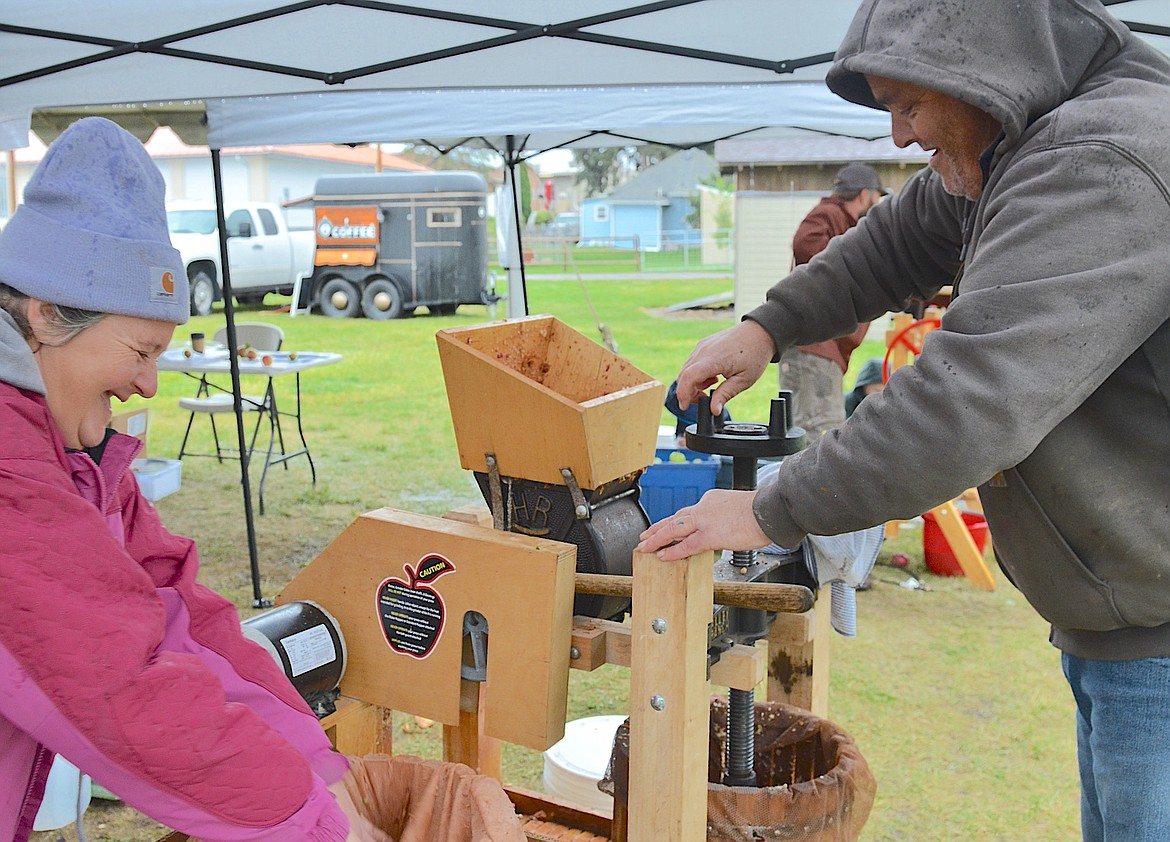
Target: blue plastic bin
<point x="669" y="486"/>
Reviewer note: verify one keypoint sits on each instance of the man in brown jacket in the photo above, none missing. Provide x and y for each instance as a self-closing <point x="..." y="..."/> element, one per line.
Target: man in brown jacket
<point x="814" y="372"/>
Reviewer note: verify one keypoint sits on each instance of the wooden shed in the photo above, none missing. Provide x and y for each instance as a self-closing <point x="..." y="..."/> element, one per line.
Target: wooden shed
<point x="778" y="181"/>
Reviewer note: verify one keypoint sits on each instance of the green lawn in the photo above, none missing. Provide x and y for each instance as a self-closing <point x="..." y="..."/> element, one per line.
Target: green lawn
<point x="546" y="256"/>
<point x="954" y="695"/>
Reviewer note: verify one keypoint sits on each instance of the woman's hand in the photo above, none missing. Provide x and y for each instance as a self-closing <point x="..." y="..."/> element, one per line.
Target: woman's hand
<point x="721" y="520"/>
<point x="360" y="828"/>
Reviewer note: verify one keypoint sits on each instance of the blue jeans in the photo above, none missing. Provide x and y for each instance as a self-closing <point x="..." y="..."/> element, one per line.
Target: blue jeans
<point x="1123" y="747"/>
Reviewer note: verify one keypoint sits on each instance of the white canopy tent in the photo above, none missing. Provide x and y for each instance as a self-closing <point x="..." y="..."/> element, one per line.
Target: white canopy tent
<point x="162" y="60"/>
<point x="520" y="77"/>
<point x="73" y="52"/>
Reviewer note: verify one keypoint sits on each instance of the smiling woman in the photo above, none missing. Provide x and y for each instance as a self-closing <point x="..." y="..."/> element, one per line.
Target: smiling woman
<point x="116" y="357"/>
<point x="111" y="654"/>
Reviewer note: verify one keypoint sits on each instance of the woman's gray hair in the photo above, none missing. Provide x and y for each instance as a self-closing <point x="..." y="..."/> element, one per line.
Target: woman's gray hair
<point x="64" y="322"/>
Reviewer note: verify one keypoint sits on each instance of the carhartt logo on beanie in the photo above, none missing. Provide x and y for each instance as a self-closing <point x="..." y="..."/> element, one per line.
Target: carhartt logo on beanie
<point x="92" y="231"/>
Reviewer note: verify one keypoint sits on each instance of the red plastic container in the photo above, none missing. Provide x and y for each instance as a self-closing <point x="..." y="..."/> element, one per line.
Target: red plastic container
<point x="937" y="552"/>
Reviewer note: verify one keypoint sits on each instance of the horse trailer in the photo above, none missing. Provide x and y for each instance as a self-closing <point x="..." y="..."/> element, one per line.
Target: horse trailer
<point x="391" y="242"/>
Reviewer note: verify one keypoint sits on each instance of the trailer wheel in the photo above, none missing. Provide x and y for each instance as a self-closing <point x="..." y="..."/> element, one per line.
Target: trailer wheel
<point x="382" y="299"/>
<point x="202" y="293"/>
<point x="339" y="299"/>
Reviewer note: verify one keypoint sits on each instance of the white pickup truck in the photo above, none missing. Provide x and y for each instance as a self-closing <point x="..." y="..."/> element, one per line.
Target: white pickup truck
<point x="263" y="253"/>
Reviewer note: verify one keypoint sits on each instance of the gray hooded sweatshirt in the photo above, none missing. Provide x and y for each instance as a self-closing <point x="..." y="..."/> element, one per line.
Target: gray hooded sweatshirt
<point x="1048" y="385"/>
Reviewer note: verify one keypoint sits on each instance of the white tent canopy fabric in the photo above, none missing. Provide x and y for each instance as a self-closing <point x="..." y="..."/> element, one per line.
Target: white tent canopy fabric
<point x="545" y="118"/>
<point x="587" y="72"/>
<point x="74" y="52"/>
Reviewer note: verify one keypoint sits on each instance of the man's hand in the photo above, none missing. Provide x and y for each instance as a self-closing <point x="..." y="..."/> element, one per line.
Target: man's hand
<point x="721" y="520"/>
<point x="740" y="354"/>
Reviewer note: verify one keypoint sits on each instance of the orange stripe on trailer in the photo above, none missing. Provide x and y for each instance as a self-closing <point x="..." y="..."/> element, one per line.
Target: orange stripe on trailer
<point x="345" y="257"/>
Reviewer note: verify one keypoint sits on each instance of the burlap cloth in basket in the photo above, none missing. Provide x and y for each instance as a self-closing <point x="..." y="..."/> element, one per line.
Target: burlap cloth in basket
<point x="416" y="800"/>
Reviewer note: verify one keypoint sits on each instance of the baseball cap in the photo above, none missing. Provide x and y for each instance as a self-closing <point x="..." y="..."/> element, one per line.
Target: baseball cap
<point x="858" y="177"/>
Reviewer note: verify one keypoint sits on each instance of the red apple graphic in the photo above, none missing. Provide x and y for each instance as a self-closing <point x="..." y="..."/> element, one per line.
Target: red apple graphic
<point x="412" y="613"/>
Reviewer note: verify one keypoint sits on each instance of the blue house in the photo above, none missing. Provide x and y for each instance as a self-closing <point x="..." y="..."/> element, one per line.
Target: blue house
<point x="650" y="211"/>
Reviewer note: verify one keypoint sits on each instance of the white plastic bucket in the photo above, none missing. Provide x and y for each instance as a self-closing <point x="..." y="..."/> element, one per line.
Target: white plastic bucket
<point x="67" y="795"/>
<point x="574" y="765"/>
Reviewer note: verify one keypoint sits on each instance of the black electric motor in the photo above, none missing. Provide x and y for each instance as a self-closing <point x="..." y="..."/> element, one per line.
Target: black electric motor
<point x="306" y="641"/>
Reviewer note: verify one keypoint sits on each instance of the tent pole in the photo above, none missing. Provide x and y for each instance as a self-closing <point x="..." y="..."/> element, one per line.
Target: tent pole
<point x="11" y="179"/>
<point x="229" y="310"/>
<point x="517" y="282"/>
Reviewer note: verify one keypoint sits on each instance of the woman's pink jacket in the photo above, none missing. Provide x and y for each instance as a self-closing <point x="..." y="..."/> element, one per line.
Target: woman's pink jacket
<point x="113" y="656"/>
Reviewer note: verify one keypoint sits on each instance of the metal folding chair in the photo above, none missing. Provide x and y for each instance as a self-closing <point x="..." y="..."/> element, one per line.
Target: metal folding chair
<point x="212" y="400"/>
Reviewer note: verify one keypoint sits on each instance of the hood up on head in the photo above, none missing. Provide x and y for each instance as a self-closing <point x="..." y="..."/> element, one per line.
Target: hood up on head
<point x="1014" y="59"/>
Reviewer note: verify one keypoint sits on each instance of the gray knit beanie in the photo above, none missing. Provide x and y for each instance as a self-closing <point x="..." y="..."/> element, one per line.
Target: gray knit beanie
<point x="92" y="231"/>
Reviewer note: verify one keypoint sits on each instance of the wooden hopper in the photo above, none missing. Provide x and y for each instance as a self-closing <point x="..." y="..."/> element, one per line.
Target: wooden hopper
<point x="540" y="397"/>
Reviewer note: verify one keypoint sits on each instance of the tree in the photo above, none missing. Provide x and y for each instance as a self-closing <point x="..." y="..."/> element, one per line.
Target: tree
<point x="724" y="185"/>
<point x="649" y="154"/>
<point x="600" y="170"/>
<point x="597" y="169"/>
<point x="486" y="162"/>
<point x="524" y="177"/>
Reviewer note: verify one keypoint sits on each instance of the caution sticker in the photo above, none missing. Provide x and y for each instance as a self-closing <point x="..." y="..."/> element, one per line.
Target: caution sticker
<point x="412" y="612"/>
